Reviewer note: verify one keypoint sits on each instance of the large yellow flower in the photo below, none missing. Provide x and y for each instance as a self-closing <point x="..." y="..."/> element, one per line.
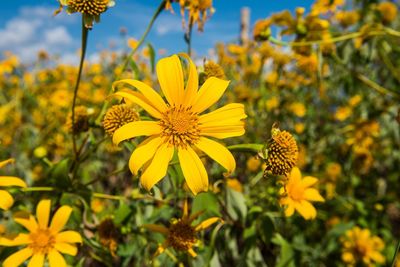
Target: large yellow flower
<point x="179" y="125"/>
<point x="181" y="235"/>
<point x="297" y="194"/>
<point x="6" y="200"/>
<point x="43" y="240"/>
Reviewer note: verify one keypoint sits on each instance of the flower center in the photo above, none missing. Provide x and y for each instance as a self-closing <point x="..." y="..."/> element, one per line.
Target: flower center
<point x="42" y="241"/>
<point x="181" y="236"/>
<point x="296" y="192"/>
<point x="91" y="7"/>
<point x="180" y="126"/>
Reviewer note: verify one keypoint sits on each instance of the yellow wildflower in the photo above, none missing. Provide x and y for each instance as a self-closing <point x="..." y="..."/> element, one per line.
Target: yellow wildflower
<point x="6" y="200"/>
<point x="360" y="247"/>
<point x="342" y="113"/>
<point x="355" y="100"/>
<point x="181" y="235"/>
<point x="234" y="184"/>
<point x="253" y="164"/>
<point x="272" y="103"/>
<point x="298" y="109"/>
<point x="179" y="125"/>
<point x="297" y="193"/>
<point x="347" y="18"/>
<point x="388" y="11"/>
<point x="299" y="127"/>
<point x="43" y="241"/>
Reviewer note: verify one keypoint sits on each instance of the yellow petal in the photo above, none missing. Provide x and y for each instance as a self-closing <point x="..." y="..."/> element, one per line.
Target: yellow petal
<point x="26" y="220"/>
<point x="60" y="218"/>
<point x="377" y="257"/>
<point x="43" y="213"/>
<point x="158" y="166"/>
<point x="6" y="200"/>
<point x="20" y="239"/>
<point x="143" y="153"/>
<point x="5" y="162"/>
<point x="156" y="228"/>
<point x="289" y="210"/>
<point x="18" y="257"/>
<point x="227" y="115"/>
<point x="56" y="259"/>
<point x="209" y="93"/>
<point x="295" y="175"/>
<point x="217" y="152"/>
<point x="207" y="223"/>
<point x="11" y="181"/>
<point x="149" y="93"/>
<point x="306" y="210"/>
<point x="37" y="260"/>
<point x="192" y="253"/>
<point x="193" y="170"/>
<point x="140" y="100"/>
<point x="222" y="132"/>
<point x="308" y="181"/>
<point x="192" y="82"/>
<point x="134" y="129"/>
<point x="170" y="77"/>
<point x="312" y="194"/>
<point x="69" y="237"/>
<point x="160" y="250"/>
<point x="66" y="248"/>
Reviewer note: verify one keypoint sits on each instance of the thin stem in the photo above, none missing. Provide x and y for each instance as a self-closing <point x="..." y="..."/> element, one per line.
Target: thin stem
<point x="188" y="36"/>
<point x="78" y="80"/>
<point x="37" y="189"/>
<point x="375" y="86"/>
<point x="395" y="254"/>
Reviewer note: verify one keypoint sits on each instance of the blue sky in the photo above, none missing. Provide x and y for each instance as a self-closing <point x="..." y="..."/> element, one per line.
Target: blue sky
<point x="27" y="26"/>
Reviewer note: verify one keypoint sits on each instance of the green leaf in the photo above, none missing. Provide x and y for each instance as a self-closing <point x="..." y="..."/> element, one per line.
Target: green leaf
<point x="135" y="69"/>
<point x="152" y="57"/>
<point x="286" y="257"/>
<point x="59" y="173"/>
<point x="122" y="213"/>
<point x="236" y="204"/>
<point x="206" y="202"/>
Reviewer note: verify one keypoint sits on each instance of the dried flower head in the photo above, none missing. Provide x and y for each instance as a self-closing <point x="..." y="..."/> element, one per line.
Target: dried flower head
<point x="117" y="116"/>
<point x="81" y="124"/>
<point x="109" y="235"/>
<point x="282" y="152"/>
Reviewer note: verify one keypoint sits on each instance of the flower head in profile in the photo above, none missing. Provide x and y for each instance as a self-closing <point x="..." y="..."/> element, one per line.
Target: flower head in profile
<point x="43" y="240"/>
<point x="360" y="247"/>
<point x="297" y="193"/>
<point x="179" y="125"/>
<point x="6" y="200"/>
<point x="181" y="235"/>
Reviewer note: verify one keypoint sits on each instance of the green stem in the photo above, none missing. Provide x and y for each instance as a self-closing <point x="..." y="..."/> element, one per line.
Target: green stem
<point x="375" y="86"/>
<point x="252" y="148"/>
<point x="37" y="189"/>
<point x="188" y="37"/>
<point x="395" y="254"/>
<point x="78" y="80"/>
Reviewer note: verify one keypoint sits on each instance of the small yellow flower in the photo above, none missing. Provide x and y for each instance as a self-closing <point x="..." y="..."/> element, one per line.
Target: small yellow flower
<point x="43" y="240"/>
<point x="342" y="113"/>
<point x="253" y="164"/>
<point x="234" y="184"/>
<point x="358" y="246"/>
<point x="355" y="100"/>
<point x="6" y="200"/>
<point x="297" y="193"/>
<point x="298" y="109"/>
<point x="179" y="125"/>
<point x="388" y="11"/>
<point x="333" y="170"/>
<point x="181" y="235"/>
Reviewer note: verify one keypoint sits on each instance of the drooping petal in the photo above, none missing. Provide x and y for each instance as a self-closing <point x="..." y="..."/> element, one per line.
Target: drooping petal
<point x="306" y="209"/>
<point x="192" y="253"/>
<point x="66" y="248"/>
<point x="227" y="115"/>
<point x="43" y="213"/>
<point x="18" y="257"/>
<point x="20" y="239"/>
<point x="209" y="93"/>
<point x="6" y="200"/>
<point x="222" y="132"/>
<point x="5" y="162"/>
<point x="140" y="100"/>
<point x="158" y="166"/>
<point x="60" y="218"/>
<point x="143" y="153"/>
<point x="26" y="220"/>
<point x="193" y="170"/>
<point x="217" y="152"/>
<point x="134" y="129"/>
<point x="149" y="93"/>
<point x="192" y="82"/>
<point x="312" y="194"/>
<point x="37" y="260"/>
<point x="69" y="237"/>
<point x="207" y="223"/>
<point x="156" y="228"/>
<point x="170" y="77"/>
<point x="309" y="181"/>
<point x="56" y="259"/>
<point x="11" y="181"/>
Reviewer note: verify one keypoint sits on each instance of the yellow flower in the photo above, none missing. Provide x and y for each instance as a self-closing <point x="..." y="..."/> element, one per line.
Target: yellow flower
<point x="181" y="235"/>
<point x="298" y="109"/>
<point x="355" y="100"/>
<point x="117" y="116"/>
<point x="234" y="184"/>
<point x="342" y="113"/>
<point x="388" y="11"/>
<point x="253" y="164"/>
<point x="347" y="18"/>
<point x="360" y="247"/>
<point x="272" y="103"/>
<point x="6" y="200"/>
<point x="179" y="126"/>
<point x="297" y="193"/>
<point x="43" y="240"/>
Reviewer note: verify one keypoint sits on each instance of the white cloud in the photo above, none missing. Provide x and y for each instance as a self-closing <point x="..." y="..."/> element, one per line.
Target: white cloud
<point x="34" y="29"/>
